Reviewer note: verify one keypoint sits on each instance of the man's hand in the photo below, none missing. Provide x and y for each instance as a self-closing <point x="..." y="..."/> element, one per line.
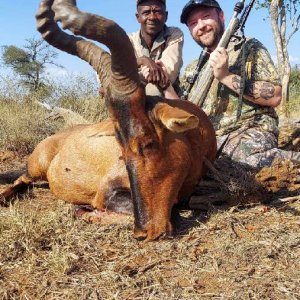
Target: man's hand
<point x="153" y="72"/>
<point x="164" y="81"/>
<point x="219" y="62"/>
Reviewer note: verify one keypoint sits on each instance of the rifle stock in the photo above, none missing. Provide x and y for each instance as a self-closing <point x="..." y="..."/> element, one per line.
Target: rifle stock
<point x="207" y="76"/>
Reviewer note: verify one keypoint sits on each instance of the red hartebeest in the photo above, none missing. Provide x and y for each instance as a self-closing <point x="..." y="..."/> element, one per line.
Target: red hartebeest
<point x="151" y="151"/>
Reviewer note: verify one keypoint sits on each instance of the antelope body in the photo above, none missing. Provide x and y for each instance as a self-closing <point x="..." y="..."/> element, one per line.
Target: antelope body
<point x="147" y="157"/>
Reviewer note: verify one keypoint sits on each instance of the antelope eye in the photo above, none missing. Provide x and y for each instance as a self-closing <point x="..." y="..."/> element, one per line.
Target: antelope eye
<point x="149" y="147"/>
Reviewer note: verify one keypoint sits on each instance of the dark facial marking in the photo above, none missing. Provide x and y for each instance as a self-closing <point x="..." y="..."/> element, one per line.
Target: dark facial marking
<point x="123" y="115"/>
<point x="138" y="201"/>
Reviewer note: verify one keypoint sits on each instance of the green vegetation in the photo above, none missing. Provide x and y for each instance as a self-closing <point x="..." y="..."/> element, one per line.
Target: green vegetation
<point x="30" y="61"/>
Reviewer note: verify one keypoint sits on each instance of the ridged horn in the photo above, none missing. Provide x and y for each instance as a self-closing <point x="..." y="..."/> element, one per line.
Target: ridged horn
<point x="124" y="78"/>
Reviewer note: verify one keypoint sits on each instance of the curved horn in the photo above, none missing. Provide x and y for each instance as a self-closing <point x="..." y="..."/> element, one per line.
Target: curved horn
<point x="124" y="77"/>
<point x="99" y="59"/>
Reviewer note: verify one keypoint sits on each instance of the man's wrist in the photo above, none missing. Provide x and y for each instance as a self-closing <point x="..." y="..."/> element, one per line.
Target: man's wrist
<point x="141" y="61"/>
<point x="225" y="78"/>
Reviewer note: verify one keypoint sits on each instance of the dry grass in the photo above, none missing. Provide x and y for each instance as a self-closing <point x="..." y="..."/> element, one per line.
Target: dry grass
<point x="292" y="107"/>
<point x="247" y="251"/>
<point x="24" y="123"/>
<point x="80" y="94"/>
<point x="22" y="126"/>
<point x="242" y="253"/>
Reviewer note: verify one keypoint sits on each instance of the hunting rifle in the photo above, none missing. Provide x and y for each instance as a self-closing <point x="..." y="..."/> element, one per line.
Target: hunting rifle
<point x="234" y="29"/>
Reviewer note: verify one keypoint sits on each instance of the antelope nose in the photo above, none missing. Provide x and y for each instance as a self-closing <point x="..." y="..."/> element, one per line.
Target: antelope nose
<point x="140" y="234"/>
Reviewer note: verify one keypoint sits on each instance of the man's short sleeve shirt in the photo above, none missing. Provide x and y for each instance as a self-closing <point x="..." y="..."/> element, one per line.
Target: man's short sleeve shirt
<point x="166" y="48"/>
<point x="221" y="103"/>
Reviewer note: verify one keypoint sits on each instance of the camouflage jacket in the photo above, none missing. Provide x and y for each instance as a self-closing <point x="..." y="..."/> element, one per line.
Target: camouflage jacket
<point x="221" y="103"/>
<point x="167" y="48"/>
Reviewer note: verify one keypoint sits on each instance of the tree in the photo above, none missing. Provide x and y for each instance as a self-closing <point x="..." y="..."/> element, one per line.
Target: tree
<point x="30" y="61"/>
<point x="279" y="11"/>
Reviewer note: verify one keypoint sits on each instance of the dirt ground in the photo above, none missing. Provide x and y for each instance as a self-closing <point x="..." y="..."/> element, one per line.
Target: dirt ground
<point x="247" y="247"/>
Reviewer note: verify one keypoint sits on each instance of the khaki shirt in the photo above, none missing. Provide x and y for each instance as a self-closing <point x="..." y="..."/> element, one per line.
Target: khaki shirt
<point x="167" y="48"/>
<point x="221" y="102"/>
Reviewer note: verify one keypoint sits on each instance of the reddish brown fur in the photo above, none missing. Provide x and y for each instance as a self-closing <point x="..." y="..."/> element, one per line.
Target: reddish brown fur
<point x="84" y="164"/>
<point x="162" y="164"/>
<point x="172" y="170"/>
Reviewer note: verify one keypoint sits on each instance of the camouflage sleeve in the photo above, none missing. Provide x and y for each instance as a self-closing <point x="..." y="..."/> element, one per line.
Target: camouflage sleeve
<point x="259" y="64"/>
<point x="188" y="71"/>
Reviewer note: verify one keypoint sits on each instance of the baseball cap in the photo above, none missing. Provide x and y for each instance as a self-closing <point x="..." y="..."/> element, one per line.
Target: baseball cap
<point x="196" y="3"/>
<point x="138" y="2"/>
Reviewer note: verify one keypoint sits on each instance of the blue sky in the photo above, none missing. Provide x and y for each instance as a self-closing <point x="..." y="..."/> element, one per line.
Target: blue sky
<point x="17" y="22"/>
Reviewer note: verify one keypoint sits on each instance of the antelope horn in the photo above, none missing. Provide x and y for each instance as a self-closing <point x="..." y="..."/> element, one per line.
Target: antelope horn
<point x="124" y="77"/>
<point x="99" y="59"/>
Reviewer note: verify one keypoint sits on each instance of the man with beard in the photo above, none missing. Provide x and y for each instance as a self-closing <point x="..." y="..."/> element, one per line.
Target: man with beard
<point x="250" y="136"/>
<point x="158" y="48"/>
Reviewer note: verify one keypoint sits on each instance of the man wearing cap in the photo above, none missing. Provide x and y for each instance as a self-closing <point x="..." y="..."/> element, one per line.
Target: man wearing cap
<point x="158" y="48"/>
<point x="252" y="137"/>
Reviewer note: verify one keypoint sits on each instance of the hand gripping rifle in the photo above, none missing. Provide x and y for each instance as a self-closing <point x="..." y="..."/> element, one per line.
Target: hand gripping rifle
<point x="235" y="28"/>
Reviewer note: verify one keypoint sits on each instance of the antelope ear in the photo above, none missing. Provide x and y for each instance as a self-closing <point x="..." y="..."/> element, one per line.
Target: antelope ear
<point x="175" y="119"/>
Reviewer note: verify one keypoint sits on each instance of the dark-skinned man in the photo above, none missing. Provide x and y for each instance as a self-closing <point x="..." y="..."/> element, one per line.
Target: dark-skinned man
<point x="252" y="137"/>
<point x="158" y="47"/>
